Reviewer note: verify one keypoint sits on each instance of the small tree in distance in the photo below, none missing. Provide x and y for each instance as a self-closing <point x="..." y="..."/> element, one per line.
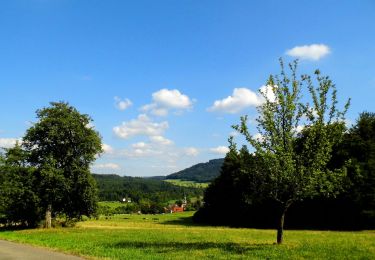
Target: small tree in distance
<point x="296" y="140"/>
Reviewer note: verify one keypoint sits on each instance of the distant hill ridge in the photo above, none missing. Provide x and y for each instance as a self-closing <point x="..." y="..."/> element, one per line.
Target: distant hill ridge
<point x="201" y="172"/>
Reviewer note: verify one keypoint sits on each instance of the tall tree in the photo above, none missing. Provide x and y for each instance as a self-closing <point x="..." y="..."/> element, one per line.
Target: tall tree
<point x="294" y="172"/>
<point x="61" y="147"/>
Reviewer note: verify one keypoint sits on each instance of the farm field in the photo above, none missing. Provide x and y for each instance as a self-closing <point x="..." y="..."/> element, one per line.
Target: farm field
<point x="174" y="236"/>
<point x="191" y="184"/>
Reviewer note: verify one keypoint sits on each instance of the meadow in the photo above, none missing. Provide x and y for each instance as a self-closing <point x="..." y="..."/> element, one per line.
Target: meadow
<point x="190" y="184"/>
<point x="175" y="236"/>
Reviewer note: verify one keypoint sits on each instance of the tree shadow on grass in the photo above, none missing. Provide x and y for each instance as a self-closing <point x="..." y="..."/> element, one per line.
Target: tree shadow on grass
<point x="184" y="221"/>
<point x="164" y="247"/>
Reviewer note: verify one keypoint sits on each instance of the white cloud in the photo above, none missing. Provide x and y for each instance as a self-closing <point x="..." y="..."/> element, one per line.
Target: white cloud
<point x="165" y="99"/>
<point x="171" y="99"/>
<point x="240" y="99"/>
<point x="155" y="110"/>
<point x="122" y="104"/>
<point x="139" y="145"/>
<point x="220" y="150"/>
<point x="9" y="142"/>
<point x="259" y="137"/>
<point x="143" y="125"/>
<point x="112" y="166"/>
<point x="160" y="140"/>
<point x="141" y="149"/>
<point x="268" y="92"/>
<point x="309" y="52"/>
<point x="191" y="151"/>
<point x="107" y="149"/>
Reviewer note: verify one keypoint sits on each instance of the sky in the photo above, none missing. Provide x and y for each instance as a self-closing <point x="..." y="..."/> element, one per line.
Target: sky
<point x="164" y="80"/>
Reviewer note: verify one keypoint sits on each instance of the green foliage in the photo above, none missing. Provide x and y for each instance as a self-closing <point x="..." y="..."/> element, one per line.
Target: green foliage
<point x="19" y="201"/>
<point x="109" y="208"/>
<point x="358" y="149"/>
<point x="61" y="146"/>
<point x="202" y="172"/>
<point x="296" y="170"/>
<point x="51" y="168"/>
<point x="114" y="188"/>
<point x="233" y="198"/>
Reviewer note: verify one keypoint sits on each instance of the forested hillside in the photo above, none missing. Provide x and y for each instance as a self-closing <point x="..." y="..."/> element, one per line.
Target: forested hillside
<point x="202" y="172"/>
<point x="114" y="187"/>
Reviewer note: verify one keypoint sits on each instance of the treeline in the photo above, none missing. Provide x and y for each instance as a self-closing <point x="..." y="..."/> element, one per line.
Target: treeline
<point x="114" y="188"/>
<point x="232" y="200"/>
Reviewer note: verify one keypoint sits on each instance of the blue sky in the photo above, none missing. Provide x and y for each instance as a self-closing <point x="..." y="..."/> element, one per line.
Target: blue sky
<point x="149" y="72"/>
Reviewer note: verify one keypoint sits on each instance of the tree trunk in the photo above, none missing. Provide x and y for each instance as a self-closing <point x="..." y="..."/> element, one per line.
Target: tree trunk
<point x="48" y="216"/>
<point x="280" y="228"/>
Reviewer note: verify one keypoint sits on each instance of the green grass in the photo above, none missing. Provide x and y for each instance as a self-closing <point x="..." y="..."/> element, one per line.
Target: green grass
<point x="191" y="184"/>
<point x="174" y="236"/>
<point x="111" y="204"/>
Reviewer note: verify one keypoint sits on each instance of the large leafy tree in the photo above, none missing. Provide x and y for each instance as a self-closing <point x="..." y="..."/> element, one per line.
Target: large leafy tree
<point x="61" y="146"/>
<point x="296" y="170"/>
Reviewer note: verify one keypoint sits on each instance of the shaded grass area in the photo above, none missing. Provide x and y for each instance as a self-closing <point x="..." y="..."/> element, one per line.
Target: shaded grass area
<point x="174" y="236"/>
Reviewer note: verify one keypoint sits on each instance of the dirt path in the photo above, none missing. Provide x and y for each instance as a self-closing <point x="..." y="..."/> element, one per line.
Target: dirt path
<point x="14" y="251"/>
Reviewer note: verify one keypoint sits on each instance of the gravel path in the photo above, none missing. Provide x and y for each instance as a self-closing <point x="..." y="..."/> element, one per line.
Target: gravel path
<point x="14" y="251"/>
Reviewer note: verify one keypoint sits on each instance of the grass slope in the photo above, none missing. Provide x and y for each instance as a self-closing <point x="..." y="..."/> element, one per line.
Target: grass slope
<point x="174" y="236"/>
<point x="191" y="184"/>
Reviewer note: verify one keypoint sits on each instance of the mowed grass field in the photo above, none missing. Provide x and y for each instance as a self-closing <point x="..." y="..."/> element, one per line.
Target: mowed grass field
<point x="174" y="236"/>
<point x="191" y="184"/>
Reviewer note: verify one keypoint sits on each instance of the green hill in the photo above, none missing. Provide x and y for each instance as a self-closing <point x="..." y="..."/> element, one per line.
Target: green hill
<point x="201" y="172"/>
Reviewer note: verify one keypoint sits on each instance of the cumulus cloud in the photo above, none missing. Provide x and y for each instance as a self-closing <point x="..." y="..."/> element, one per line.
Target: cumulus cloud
<point x="9" y="142"/>
<point x="154" y="109"/>
<point x="171" y="99"/>
<point x="112" y="166"/>
<point x="122" y="104"/>
<point x="220" y="150"/>
<point x="140" y="145"/>
<point x="160" y="140"/>
<point x="143" y="125"/>
<point x="309" y="52"/>
<point x="239" y="100"/>
<point x="242" y="98"/>
<point x="165" y="100"/>
<point x="191" y="151"/>
<point x="107" y="148"/>
<point x="141" y="149"/>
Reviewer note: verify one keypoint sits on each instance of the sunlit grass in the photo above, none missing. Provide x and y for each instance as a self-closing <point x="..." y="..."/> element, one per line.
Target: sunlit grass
<point x="174" y="236"/>
<point x="191" y="184"/>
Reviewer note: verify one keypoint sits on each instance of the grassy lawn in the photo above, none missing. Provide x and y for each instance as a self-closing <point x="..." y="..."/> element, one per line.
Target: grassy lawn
<point x="191" y="184"/>
<point x="174" y="236"/>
